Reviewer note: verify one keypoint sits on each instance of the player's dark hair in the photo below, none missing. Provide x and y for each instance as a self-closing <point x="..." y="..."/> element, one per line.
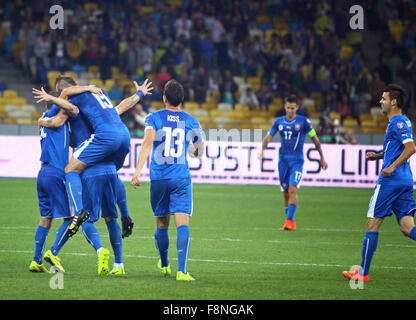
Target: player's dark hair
<point x="396" y="92"/>
<point x="173" y="92"/>
<point x="63" y="82"/>
<point x="49" y="103"/>
<point x="292" y="98"/>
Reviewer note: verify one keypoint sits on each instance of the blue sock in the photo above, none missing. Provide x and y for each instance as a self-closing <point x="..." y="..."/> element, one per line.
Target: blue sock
<point x="73" y="185"/>
<point x="369" y="247"/>
<point x="162" y="245"/>
<point x="91" y="234"/>
<point x="286" y="211"/>
<point x="182" y="244"/>
<point x="115" y="238"/>
<point x="122" y="199"/>
<point x="60" y="237"/>
<point x="412" y="234"/>
<point x="291" y="209"/>
<point x="40" y="239"/>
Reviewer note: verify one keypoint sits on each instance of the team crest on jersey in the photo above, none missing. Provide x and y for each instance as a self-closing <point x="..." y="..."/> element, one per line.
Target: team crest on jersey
<point x="297" y="126"/>
<point x="280" y="127"/>
<point x="400" y="125"/>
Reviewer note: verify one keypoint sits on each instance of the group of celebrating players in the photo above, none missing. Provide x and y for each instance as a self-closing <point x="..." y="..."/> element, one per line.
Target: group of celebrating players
<point x="84" y="118"/>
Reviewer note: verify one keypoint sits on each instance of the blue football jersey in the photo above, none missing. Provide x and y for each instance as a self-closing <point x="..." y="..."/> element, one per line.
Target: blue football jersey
<point x="54" y="142"/>
<point x="399" y="131"/>
<point x="81" y="130"/>
<point x="292" y="134"/>
<point x="99" y="111"/>
<point x="174" y="132"/>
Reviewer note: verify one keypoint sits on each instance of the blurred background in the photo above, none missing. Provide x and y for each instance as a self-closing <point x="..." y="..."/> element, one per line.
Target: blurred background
<point x="237" y="60"/>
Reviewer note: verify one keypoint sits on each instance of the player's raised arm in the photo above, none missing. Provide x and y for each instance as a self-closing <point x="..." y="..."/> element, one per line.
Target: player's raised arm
<point x="60" y="102"/>
<point x="53" y="122"/>
<point x="147" y="145"/>
<point x="131" y="101"/>
<point x="74" y="90"/>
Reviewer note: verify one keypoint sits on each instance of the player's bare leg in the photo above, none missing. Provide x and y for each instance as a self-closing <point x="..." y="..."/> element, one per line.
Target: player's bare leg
<point x="73" y="185"/>
<point x="407" y="226"/>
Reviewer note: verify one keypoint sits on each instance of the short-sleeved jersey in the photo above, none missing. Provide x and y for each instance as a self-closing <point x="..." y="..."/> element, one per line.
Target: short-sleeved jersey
<point x="98" y="110"/>
<point x="399" y="131"/>
<point x="54" y="142"/>
<point x="292" y="133"/>
<point x="174" y="132"/>
<point x="81" y="130"/>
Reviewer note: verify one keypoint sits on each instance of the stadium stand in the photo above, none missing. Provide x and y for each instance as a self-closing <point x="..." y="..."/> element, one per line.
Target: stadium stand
<point x="310" y="52"/>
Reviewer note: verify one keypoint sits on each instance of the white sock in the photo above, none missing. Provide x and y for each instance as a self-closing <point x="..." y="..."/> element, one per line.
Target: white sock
<point x="118" y="265"/>
<point x="99" y="250"/>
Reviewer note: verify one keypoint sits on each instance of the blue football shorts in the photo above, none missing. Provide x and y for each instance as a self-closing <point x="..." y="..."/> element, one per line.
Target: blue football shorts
<point x="52" y="196"/>
<point x="392" y="198"/>
<point x="169" y="196"/>
<point x="99" y="192"/>
<point x="103" y="146"/>
<point x="290" y="172"/>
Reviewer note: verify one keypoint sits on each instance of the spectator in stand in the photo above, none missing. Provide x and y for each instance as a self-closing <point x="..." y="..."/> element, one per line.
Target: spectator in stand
<point x="345" y="109"/>
<point x="376" y="89"/>
<point x="348" y="138"/>
<point x="200" y="85"/>
<point x="139" y="118"/>
<point x="58" y="52"/>
<point x="208" y="52"/>
<point x="264" y="96"/>
<point x="187" y="82"/>
<point x="228" y="88"/>
<point x="115" y="93"/>
<point x="144" y="56"/>
<point x="328" y="127"/>
<point x="183" y="26"/>
<point x="93" y="49"/>
<point x="360" y="106"/>
<point x="248" y="98"/>
<point x="73" y="50"/>
<point x="103" y="63"/>
<point x="162" y="77"/>
<point x="214" y="82"/>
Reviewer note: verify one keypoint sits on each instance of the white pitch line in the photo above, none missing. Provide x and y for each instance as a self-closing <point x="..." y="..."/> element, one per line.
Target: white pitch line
<point x="321" y="243"/>
<point x="231" y="261"/>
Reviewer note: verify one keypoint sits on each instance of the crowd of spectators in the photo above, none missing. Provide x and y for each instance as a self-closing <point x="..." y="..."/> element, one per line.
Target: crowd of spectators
<point x="299" y="46"/>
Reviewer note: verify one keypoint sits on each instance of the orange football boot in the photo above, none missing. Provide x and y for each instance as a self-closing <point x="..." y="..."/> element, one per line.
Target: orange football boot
<point x="289" y="225"/>
<point x="354" y="275"/>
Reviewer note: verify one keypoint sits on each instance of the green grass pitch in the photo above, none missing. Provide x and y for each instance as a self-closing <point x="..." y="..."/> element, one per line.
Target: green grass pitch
<point x="237" y="251"/>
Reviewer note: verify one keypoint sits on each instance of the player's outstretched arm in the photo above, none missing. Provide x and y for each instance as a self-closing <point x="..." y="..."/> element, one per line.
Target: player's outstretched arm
<point x="147" y="145"/>
<point x="60" y="102"/>
<point x="54" y="122"/>
<point x="264" y="144"/>
<point x="131" y="101"/>
<point x="408" y="151"/>
<point x="71" y="91"/>
<point x="318" y="147"/>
